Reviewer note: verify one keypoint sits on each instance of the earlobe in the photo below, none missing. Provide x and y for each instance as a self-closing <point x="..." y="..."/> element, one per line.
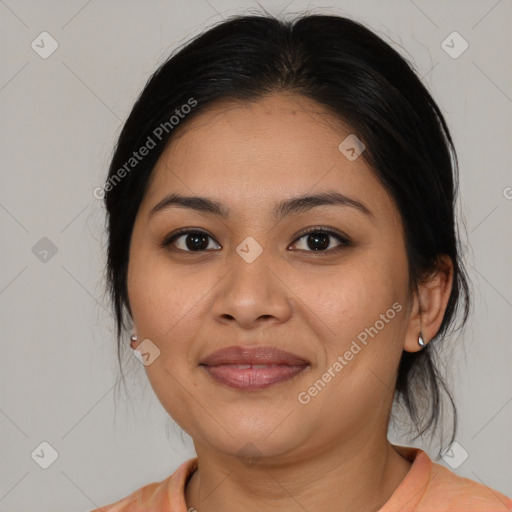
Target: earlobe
<point x="430" y="302"/>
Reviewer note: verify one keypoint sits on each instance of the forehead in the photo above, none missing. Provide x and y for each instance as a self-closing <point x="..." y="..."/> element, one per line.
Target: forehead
<point x="271" y="132"/>
<point x="265" y="150"/>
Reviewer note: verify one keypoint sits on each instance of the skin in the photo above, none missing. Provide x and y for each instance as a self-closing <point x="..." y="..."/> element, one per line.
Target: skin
<point x="331" y="453"/>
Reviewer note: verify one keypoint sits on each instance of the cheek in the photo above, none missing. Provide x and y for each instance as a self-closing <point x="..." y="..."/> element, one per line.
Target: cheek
<point x="167" y="300"/>
<point x="159" y="297"/>
<point x="360" y="313"/>
<point x="360" y="318"/>
<point x="353" y="295"/>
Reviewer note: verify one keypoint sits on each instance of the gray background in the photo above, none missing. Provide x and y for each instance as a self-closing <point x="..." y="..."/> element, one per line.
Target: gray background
<point x="59" y="120"/>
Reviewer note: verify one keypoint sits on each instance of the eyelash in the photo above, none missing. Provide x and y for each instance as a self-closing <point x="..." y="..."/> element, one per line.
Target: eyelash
<point x="343" y="239"/>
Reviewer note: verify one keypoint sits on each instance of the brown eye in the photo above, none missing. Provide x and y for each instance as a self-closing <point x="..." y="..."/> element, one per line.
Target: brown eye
<point x="189" y="241"/>
<point x="320" y="240"/>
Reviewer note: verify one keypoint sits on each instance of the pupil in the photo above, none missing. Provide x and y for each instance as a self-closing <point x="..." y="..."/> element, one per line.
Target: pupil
<point x="199" y="241"/>
<point x="320" y="239"/>
<point x="196" y="243"/>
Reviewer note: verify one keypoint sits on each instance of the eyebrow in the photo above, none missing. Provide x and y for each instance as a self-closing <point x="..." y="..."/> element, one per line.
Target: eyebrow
<point x="288" y="207"/>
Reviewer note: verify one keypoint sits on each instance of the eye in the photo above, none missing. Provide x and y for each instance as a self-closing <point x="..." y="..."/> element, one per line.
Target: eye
<point x="318" y="239"/>
<point x="191" y="241"/>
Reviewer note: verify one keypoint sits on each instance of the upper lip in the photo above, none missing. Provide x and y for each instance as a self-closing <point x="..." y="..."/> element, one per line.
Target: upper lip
<point x="252" y="355"/>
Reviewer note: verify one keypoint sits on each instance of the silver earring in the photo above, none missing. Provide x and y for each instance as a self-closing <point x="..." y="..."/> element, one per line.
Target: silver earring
<point x="133" y="338"/>
<point x="421" y="342"/>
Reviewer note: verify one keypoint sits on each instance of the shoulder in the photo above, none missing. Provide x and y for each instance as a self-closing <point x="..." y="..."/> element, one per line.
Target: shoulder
<point x="156" y="495"/>
<point x="431" y="487"/>
<point x="137" y="500"/>
<point x="451" y="492"/>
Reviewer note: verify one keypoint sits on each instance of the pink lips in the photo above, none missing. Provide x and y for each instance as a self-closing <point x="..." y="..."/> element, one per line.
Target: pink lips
<point x="252" y="368"/>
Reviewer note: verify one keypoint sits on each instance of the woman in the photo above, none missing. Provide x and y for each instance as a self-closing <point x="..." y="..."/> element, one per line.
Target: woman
<point x="283" y="246"/>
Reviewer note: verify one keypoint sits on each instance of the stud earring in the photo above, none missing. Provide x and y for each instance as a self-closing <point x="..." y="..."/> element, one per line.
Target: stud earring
<point x="421" y="342"/>
<point x="133" y="338"/>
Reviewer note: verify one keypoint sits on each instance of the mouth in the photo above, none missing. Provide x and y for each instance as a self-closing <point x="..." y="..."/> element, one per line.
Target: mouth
<point x="253" y="368"/>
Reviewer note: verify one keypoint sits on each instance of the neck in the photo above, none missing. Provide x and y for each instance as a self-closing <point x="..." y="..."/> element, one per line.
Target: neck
<point x="360" y="477"/>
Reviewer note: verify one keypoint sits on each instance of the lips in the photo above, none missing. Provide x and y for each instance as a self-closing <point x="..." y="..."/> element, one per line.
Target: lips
<point x="252" y="368"/>
<point x="252" y="356"/>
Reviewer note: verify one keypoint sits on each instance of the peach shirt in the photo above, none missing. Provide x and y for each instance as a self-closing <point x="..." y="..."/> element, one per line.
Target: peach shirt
<point x="427" y="487"/>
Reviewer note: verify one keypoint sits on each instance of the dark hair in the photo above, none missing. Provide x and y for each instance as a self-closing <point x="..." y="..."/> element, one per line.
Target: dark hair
<point x="344" y="66"/>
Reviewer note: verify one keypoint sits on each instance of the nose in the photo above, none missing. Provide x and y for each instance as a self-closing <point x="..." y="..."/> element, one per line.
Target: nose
<point x="252" y="294"/>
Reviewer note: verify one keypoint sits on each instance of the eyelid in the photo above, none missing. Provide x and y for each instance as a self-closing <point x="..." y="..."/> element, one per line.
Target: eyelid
<point x="169" y="239"/>
<point x="344" y="239"/>
<point x="324" y="229"/>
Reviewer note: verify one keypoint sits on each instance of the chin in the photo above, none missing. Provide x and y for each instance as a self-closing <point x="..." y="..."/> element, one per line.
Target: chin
<point x="252" y="441"/>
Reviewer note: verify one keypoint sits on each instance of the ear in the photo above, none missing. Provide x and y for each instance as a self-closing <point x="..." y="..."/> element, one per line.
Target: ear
<point x="429" y="304"/>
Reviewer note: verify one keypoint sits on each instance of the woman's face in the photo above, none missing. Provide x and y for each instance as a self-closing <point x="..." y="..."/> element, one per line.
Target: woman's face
<point x="254" y="280"/>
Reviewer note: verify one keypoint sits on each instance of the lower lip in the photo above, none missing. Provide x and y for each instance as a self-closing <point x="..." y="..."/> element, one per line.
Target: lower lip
<point x="253" y="378"/>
